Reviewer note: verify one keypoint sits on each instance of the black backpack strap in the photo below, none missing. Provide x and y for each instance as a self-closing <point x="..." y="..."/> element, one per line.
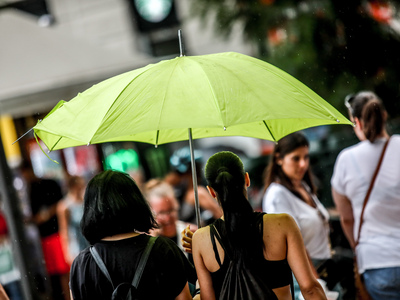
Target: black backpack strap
<point x="100" y="263"/>
<point x="143" y="261"/>
<point x="212" y="236"/>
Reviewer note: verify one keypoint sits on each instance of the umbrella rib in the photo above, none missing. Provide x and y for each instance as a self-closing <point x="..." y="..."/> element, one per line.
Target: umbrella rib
<point x="266" y="126"/>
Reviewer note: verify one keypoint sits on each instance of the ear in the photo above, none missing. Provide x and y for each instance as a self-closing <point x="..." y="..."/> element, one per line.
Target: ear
<point x="212" y="191"/>
<point x="247" y="179"/>
<point x="358" y="123"/>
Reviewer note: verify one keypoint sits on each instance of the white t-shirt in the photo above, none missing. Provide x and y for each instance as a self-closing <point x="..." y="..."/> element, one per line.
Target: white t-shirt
<point x="379" y="245"/>
<point x="313" y="227"/>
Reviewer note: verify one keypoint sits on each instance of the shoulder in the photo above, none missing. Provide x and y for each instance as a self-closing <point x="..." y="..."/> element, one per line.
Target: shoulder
<point x="276" y="221"/>
<point x="276" y="189"/>
<point x="201" y="233"/>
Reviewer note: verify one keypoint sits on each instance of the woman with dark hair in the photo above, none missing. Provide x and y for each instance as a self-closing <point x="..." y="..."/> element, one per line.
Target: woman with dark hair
<point x="378" y="246"/>
<point x="271" y="248"/>
<point x="115" y="218"/>
<point x="290" y="189"/>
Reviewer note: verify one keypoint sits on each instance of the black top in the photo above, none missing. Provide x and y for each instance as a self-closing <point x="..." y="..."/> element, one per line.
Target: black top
<point x="165" y="275"/>
<point x="276" y="273"/>
<point x="43" y="194"/>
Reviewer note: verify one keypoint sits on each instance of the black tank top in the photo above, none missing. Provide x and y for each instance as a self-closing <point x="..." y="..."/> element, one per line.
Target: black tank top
<point x="276" y="273"/>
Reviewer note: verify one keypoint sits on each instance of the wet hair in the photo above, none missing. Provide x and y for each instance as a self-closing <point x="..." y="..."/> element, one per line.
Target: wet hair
<point x="274" y="172"/>
<point x="113" y="204"/>
<point x="368" y="108"/>
<point x="225" y="173"/>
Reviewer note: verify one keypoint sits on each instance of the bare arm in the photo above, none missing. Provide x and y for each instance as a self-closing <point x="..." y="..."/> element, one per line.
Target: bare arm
<point x="3" y="295"/>
<point x="345" y="210"/>
<point x="63" y="216"/>
<point x="299" y="262"/>
<point x="203" y="275"/>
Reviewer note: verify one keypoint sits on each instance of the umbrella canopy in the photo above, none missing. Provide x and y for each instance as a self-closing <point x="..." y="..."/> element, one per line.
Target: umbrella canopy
<point x="226" y="94"/>
<point x="189" y="97"/>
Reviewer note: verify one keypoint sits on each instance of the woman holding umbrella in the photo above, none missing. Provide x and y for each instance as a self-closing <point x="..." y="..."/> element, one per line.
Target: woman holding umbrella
<point x="273" y="247"/>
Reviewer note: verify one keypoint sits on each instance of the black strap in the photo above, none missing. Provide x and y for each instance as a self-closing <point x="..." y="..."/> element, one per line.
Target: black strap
<point x="143" y="261"/>
<point x="139" y="269"/>
<point x="100" y="264"/>
<point x="215" y="234"/>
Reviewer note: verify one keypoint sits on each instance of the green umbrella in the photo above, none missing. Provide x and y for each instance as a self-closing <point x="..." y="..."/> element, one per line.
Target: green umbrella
<point x="188" y="97"/>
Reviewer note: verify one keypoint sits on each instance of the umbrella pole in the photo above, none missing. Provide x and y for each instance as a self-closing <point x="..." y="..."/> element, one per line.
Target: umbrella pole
<point x="194" y="177"/>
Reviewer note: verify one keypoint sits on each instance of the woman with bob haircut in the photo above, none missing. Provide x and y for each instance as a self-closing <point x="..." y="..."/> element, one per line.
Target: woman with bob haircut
<point x="378" y="247"/>
<point x="115" y="219"/>
<point x="271" y="246"/>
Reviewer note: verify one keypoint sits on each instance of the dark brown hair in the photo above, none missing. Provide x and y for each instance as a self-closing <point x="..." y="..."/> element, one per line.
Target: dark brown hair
<point x="274" y="172"/>
<point x="368" y="108"/>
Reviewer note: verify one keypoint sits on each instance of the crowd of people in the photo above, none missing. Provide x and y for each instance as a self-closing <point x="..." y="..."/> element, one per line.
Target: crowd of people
<point x="99" y="236"/>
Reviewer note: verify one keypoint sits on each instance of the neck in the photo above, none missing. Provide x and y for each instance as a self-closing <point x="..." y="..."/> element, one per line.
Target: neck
<point x="120" y="236"/>
<point x="297" y="183"/>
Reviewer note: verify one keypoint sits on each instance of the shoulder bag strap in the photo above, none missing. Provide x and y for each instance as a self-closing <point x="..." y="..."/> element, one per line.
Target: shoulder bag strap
<point x="143" y="261"/>
<point x="370" y="189"/>
<point x="100" y="264"/>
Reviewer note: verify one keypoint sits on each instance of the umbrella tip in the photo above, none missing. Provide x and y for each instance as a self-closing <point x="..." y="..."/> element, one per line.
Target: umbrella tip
<point x="155" y="146"/>
<point x="337" y="121"/>
<point x="181" y="47"/>
<point x="224" y="128"/>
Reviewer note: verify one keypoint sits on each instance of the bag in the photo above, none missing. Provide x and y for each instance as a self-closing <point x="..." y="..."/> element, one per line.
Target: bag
<point x="125" y="290"/>
<point x="361" y="291"/>
<point x="240" y="282"/>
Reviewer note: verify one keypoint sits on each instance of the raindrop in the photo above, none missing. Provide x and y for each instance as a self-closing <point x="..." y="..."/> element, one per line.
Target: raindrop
<point x="337" y="121"/>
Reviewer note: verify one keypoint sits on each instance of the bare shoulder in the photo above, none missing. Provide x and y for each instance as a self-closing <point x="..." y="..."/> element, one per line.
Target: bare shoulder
<point x="201" y="233"/>
<point x="281" y="221"/>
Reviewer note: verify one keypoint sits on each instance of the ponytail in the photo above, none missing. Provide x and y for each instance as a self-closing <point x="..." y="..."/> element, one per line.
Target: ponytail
<point x="373" y="117"/>
<point x="369" y="109"/>
<point x="224" y="172"/>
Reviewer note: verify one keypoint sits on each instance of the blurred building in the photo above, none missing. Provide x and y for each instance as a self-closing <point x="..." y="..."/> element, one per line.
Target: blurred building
<point x="51" y="50"/>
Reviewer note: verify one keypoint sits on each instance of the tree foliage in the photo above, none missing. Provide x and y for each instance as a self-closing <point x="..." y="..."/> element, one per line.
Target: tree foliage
<point x="336" y="47"/>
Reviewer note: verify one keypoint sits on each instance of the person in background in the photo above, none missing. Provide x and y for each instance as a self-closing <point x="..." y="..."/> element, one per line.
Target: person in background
<point x="44" y="196"/>
<point x="115" y="219"/>
<point x="165" y="207"/>
<point x="10" y="277"/>
<point x="69" y="213"/>
<point x="182" y="182"/>
<point x="272" y="252"/>
<point x="289" y="188"/>
<point x="378" y="250"/>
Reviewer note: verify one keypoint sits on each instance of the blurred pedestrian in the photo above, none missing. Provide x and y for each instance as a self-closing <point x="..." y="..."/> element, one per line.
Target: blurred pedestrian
<point x="69" y="213"/>
<point x="162" y="200"/>
<point x="290" y="189"/>
<point x="44" y="196"/>
<point x="377" y="246"/>
<point x="115" y="219"/>
<point x="182" y="181"/>
<point x="10" y="277"/>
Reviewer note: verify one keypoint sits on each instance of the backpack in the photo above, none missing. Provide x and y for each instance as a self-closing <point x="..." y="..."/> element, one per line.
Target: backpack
<point x="125" y="290"/>
<point x="240" y="281"/>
